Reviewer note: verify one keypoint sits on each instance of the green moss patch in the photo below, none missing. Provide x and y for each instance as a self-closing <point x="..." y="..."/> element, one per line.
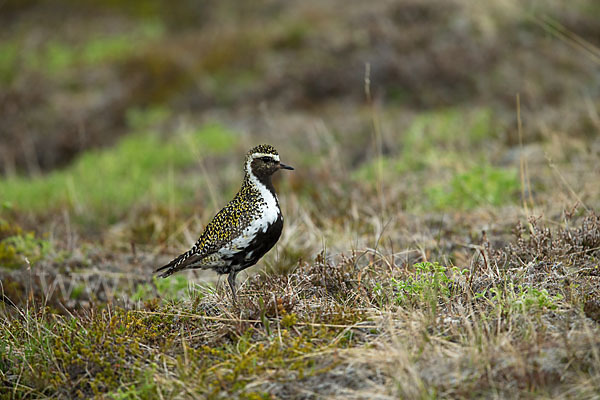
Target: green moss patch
<point x="19" y="248"/>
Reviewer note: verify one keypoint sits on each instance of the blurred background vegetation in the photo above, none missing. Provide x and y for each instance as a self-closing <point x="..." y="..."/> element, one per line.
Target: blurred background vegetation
<point x="425" y="135"/>
<point x="126" y="122"/>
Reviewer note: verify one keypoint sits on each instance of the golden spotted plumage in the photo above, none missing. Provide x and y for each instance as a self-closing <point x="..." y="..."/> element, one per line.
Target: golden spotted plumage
<point x="231" y="220"/>
<point x="246" y="228"/>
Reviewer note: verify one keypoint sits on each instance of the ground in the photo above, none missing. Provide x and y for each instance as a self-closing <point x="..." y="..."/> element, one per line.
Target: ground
<point x="442" y="232"/>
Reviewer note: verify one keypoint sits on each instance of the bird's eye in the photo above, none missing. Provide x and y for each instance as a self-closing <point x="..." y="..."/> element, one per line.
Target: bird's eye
<point x="266" y="159"/>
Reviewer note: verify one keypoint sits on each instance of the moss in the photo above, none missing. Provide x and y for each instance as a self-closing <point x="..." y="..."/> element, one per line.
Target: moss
<point x="229" y="368"/>
<point x="104" y="351"/>
<point x="19" y="248"/>
<point x="87" y="356"/>
<point x="289" y="320"/>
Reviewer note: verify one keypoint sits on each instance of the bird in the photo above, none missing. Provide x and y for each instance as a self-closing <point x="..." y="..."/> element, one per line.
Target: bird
<point x="245" y="229"/>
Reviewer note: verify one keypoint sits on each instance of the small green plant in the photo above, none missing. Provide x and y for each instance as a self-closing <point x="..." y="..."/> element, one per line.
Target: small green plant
<point x="22" y="249"/>
<point x="519" y="299"/>
<point x="78" y="291"/>
<point x="144" y="388"/>
<point x="480" y="185"/>
<point x="173" y="288"/>
<point x="430" y="282"/>
<point x="289" y="320"/>
<point x="176" y="287"/>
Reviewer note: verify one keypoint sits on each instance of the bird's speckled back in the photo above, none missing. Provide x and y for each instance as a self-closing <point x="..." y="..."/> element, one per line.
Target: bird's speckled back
<point x="238" y="213"/>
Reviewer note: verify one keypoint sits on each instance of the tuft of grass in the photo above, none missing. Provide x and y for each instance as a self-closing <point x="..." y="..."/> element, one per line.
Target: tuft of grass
<point x="106" y="183"/>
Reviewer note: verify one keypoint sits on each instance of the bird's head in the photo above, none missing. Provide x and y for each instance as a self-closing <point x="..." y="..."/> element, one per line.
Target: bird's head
<point x="263" y="161"/>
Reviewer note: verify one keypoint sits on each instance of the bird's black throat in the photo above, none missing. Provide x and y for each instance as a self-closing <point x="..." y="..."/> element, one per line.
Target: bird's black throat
<point x="264" y="175"/>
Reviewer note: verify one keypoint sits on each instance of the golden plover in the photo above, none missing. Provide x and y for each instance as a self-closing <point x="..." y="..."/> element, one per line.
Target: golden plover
<point x="242" y="232"/>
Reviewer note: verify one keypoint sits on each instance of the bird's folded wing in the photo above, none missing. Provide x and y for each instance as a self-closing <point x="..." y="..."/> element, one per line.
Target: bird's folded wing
<point x="220" y="231"/>
<point x="223" y="228"/>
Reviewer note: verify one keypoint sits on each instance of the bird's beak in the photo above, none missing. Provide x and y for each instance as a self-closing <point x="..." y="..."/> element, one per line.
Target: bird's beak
<point x="283" y="166"/>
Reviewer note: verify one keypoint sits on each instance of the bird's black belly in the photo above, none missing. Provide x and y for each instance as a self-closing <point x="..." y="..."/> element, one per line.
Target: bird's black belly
<point x="258" y="247"/>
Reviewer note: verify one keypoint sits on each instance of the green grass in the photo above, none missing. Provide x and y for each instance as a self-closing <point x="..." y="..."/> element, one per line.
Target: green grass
<point x="407" y="299"/>
<point x="177" y="287"/>
<point x="106" y="183"/>
<point x="9" y="52"/>
<point x="433" y="141"/>
<point x="56" y="56"/>
<point x="307" y="328"/>
<point x="481" y="185"/>
<point x="519" y="299"/>
<point x="437" y="141"/>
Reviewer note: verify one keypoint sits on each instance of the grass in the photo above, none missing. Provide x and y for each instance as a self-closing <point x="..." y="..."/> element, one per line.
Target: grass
<point x="433" y="141"/>
<point x="107" y="183"/>
<point x="80" y="350"/>
<point x="506" y="318"/>
<point x="520" y="299"/>
<point x="167" y="289"/>
<point x="291" y="330"/>
<point x="407" y="267"/>
<point x="479" y="186"/>
<point x="57" y="56"/>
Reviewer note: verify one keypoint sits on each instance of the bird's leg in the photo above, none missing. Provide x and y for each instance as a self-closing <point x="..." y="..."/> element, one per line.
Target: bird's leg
<point x="231" y="280"/>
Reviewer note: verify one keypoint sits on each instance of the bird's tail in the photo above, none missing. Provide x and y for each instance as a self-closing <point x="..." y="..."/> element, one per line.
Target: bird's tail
<point x="171" y="267"/>
<point x="177" y="264"/>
